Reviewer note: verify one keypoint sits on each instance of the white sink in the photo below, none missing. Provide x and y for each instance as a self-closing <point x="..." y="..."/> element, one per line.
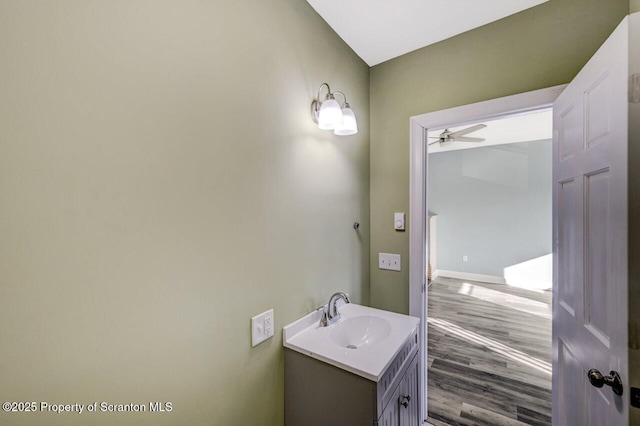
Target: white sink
<point x="364" y="341"/>
<point x="361" y="330"/>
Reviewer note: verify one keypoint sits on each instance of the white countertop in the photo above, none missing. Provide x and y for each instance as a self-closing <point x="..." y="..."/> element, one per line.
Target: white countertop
<point x="369" y="361"/>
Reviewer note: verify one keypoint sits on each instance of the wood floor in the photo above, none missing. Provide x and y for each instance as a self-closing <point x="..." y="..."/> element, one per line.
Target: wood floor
<point x="489" y="354"/>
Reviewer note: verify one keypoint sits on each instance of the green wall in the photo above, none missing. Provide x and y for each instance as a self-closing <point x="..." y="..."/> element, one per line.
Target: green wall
<point x="634" y="6"/>
<point x="161" y="182"/>
<point x="537" y="48"/>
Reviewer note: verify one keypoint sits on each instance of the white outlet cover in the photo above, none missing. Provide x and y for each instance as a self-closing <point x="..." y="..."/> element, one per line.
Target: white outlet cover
<point x="262" y="327"/>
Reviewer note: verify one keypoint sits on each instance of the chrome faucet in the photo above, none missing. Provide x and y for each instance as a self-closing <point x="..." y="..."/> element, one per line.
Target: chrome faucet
<point x="331" y="314"/>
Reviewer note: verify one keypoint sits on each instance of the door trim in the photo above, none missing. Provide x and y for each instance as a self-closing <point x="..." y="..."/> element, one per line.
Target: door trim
<point x="418" y="201"/>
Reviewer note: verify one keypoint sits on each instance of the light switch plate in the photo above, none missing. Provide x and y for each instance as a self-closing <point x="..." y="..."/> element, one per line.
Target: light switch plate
<point x="398" y="221"/>
<point x="262" y="327"/>
<point x="389" y="261"/>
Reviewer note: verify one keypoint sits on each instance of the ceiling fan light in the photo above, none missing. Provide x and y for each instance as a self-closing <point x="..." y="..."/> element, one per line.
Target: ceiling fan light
<point x="446" y="141"/>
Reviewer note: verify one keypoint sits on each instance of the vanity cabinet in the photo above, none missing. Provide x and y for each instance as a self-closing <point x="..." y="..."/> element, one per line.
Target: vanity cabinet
<point x="317" y="393"/>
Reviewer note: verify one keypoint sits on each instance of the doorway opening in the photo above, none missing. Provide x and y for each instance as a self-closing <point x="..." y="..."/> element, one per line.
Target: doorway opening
<point x="489" y="271"/>
<point x="435" y="124"/>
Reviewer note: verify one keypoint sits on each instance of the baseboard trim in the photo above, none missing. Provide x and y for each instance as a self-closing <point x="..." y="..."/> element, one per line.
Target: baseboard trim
<point x="494" y="279"/>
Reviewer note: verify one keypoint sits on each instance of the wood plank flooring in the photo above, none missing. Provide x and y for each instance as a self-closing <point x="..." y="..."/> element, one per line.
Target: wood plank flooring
<point x="489" y="354"/>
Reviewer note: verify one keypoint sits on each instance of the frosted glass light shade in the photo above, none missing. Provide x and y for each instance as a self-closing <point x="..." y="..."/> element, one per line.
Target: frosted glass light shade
<point x="348" y="125"/>
<point x="330" y="115"/>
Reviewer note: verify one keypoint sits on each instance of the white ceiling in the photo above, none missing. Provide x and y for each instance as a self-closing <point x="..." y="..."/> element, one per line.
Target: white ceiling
<point x="379" y="30"/>
<point x="533" y="126"/>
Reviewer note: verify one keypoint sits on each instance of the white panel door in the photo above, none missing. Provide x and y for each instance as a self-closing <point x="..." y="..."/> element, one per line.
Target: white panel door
<point x="391" y="414"/>
<point x="590" y="239"/>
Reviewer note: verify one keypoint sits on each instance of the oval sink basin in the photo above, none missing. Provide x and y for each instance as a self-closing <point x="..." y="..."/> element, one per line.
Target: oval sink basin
<point x="362" y="330"/>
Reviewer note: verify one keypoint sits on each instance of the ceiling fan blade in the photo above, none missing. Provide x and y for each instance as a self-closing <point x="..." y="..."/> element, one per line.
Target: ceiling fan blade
<point x="467" y="139"/>
<point x="468" y="130"/>
<point x="431" y="143"/>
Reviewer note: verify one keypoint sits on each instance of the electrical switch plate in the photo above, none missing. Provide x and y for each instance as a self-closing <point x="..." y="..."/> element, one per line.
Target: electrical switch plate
<point x="398" y="221"/>
<point x="465" y="258"/>
<point x="389" y="261"/>
<point x="261" y="327"/>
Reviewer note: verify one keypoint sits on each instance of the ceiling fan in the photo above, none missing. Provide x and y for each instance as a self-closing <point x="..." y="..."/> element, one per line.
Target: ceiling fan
<point x="448" y="136"/>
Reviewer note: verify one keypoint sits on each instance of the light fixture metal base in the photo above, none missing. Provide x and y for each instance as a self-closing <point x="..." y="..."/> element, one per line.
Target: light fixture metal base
<point x="315" y="111"/>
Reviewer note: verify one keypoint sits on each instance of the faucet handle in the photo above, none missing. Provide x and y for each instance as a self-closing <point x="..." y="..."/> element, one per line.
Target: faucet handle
<point x="324" y="320"/>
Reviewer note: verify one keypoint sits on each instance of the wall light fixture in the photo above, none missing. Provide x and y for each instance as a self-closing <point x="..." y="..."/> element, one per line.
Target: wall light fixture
<point x="330" y="115"/>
